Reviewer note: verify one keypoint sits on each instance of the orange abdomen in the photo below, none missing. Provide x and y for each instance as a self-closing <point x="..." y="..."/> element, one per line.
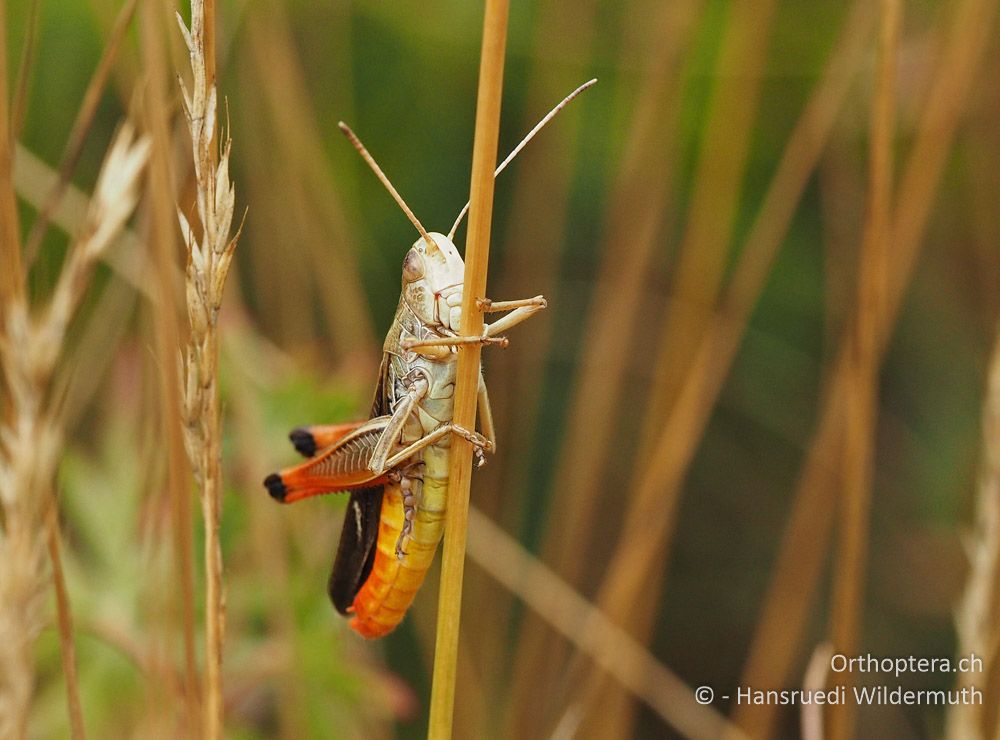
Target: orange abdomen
<point x="388" y="591"/>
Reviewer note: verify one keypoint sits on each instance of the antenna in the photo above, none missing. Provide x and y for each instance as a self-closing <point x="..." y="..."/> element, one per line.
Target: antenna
<point x="385" y="181"/>
<point x="531" y="135"/>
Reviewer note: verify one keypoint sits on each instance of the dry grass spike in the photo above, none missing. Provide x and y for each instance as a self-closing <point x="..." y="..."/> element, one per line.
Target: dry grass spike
<point x="31" y="436"/>
<point x="209" y="257"/>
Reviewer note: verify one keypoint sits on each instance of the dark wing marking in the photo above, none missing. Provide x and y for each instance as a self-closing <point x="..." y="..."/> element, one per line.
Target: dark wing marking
<point x="356" y="551"/>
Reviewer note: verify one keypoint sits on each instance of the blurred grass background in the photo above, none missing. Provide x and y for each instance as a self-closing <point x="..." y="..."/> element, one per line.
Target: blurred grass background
<point x="630" y="213"/>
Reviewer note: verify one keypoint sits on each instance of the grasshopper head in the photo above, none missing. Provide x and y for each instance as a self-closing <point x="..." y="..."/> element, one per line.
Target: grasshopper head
<point x="432" y="282"/>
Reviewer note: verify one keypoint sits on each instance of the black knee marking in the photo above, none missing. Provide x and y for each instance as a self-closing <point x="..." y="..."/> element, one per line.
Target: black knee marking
<point x="276" y="487"/>
<point x="304" y="441"/>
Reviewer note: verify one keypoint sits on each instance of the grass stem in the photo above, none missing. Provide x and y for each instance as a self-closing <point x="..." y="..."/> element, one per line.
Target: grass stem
<point x="31" y="345"/>
<point x="484" y="157"/>
<point x="81" y="127"/>
<point x="165" y="300"/>
<point x="210" y="256"/>
<point x="11" y="279"/>
<point x="861" y="413"/>
<point x="65" y="622"/>
<point x="802" y="553"/>
<point x="627" y="593"/>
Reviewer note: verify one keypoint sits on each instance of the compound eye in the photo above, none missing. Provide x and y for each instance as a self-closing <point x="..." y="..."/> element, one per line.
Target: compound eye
<point x="413" y="266"/>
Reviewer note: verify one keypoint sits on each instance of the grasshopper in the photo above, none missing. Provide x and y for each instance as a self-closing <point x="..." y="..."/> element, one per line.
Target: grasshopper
<point x="396" y="463"/>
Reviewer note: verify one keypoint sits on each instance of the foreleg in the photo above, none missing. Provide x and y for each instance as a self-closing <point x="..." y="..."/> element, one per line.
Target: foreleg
<point x="523" y="309"/>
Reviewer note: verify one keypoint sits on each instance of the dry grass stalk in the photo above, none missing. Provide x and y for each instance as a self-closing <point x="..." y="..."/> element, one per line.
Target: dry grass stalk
<point x="815" y="679"/>
<point x="976" y="616"/>
<point x="862" y="395"/>
<point x="477" y="252"/>
<point x="19" y="105"/>
<point x="34" y="179"/>
<point x="636" y="218"/>
<point x="543" y="175"/>
<point x="541" y="185"/>
<point x="81" y="127"/>
<point x="796" y="574"/>
<point x="11" y="279"/>
<point x="840" y="186"/>
<point x="590" y="631"/>
<point x="209" y="258"/>
<point x="515" y="374"/>
<point x="291" y="156"/>
<point x="165" y="319"/>
<point x="108" y="322"/>
<point x="65" y="622"/>
<point x="697" y="281"/>
<point x="268" y="535"/>
<point x="31" y="434"/>
<point x="718" y="183"/>
<point x="649" y="521"/>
